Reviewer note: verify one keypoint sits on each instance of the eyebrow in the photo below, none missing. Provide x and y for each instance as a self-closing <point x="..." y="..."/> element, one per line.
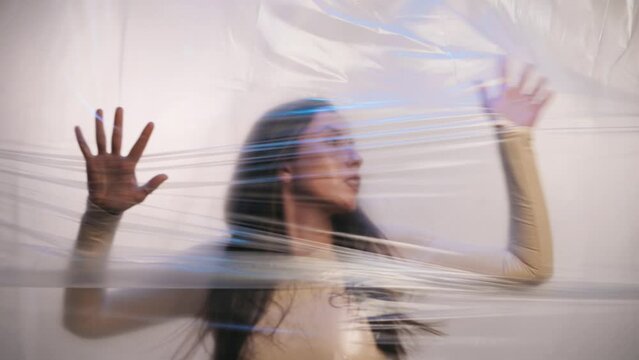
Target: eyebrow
<point x="332" y="129"/>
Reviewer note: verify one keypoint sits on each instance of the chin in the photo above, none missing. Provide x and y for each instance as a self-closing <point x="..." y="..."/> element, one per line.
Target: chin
<point x="346" y="206"/>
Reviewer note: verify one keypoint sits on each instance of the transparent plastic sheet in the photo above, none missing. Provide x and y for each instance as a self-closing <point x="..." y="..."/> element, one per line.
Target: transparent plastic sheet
<point x="404" y="76"/>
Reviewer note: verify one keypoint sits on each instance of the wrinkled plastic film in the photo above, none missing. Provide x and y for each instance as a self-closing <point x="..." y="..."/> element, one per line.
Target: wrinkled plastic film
<point x="404" y="81"/>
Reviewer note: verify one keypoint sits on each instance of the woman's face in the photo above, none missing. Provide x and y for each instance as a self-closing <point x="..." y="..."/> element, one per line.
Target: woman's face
<point x="326" y="168"/>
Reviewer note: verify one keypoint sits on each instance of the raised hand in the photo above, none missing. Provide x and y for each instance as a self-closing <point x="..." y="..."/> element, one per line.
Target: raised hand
<point x="515" y="103"/>
<point x="111" y="177"/>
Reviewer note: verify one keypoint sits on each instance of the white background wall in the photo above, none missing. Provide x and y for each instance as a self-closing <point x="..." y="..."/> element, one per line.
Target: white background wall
<point x="203" y="71"/>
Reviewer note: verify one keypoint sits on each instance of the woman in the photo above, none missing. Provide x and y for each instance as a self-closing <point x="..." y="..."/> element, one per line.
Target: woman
<point x="294" y="192"/>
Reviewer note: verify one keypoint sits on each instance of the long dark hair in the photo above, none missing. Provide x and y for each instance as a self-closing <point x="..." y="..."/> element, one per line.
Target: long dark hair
<point x="254" y="211"/>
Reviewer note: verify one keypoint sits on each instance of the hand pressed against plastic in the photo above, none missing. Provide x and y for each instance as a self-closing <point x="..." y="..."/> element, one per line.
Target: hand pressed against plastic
<point x="111" y="177"/>
<point x="514" y="102"/>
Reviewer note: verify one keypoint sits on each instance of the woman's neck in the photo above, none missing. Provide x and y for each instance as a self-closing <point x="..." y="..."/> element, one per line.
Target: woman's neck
<point x="308" y="225"/>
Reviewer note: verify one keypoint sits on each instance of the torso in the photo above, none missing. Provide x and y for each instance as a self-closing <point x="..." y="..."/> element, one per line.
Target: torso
<point x="315" y="321"/>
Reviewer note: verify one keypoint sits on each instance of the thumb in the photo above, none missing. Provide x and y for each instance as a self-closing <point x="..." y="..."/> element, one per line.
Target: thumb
<point x="154" y="183"/>
<point x="483" y="95"/>
<point x="485" y="100"/>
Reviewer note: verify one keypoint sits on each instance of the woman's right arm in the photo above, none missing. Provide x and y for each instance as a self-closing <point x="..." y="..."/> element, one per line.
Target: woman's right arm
<point x="95" y="311"/>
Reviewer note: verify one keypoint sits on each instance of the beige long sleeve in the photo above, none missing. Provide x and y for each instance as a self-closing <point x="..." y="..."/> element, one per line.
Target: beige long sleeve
<point x="84" y="305"/>
<point x="530" y="234"/>
<point x="98" y="227"/>
<point x="93" y="243"/>
<point x="93" y="311"/>
<point x="528" y="255"/>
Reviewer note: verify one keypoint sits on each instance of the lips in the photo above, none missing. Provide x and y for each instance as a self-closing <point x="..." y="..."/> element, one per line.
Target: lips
<point x="353" y="181"/>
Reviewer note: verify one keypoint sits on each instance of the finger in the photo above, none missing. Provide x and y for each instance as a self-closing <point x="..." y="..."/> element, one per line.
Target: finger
<point x="86" y="152"/>
<point x="153" y="184"/>
<point x="540" y="85"/>
<point x="545" y="99"/>
<point x="116" y="138"/>
<point x="485" y="100"/>
<point x="140" y="144"/>
<point x="503" y="73"/>
<point x="100" y="138"/>
<point x="483" y="94"/>
<point x="524" y="78"/>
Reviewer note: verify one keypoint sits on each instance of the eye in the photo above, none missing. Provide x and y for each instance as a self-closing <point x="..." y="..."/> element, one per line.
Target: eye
<point x="339" y="141"/>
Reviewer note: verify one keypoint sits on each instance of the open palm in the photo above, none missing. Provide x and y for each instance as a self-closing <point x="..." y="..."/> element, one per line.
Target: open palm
<point x="514" y="102"/>
<point x="111" y="177"/>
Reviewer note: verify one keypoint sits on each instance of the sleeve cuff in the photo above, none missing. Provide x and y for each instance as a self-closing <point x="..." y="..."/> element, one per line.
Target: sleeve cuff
<point x="507" y="129"/>
<point x="98" y="216"/>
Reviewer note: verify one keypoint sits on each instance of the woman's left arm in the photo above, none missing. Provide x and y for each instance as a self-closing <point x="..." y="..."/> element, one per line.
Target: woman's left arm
<point x="529" y="255"/>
